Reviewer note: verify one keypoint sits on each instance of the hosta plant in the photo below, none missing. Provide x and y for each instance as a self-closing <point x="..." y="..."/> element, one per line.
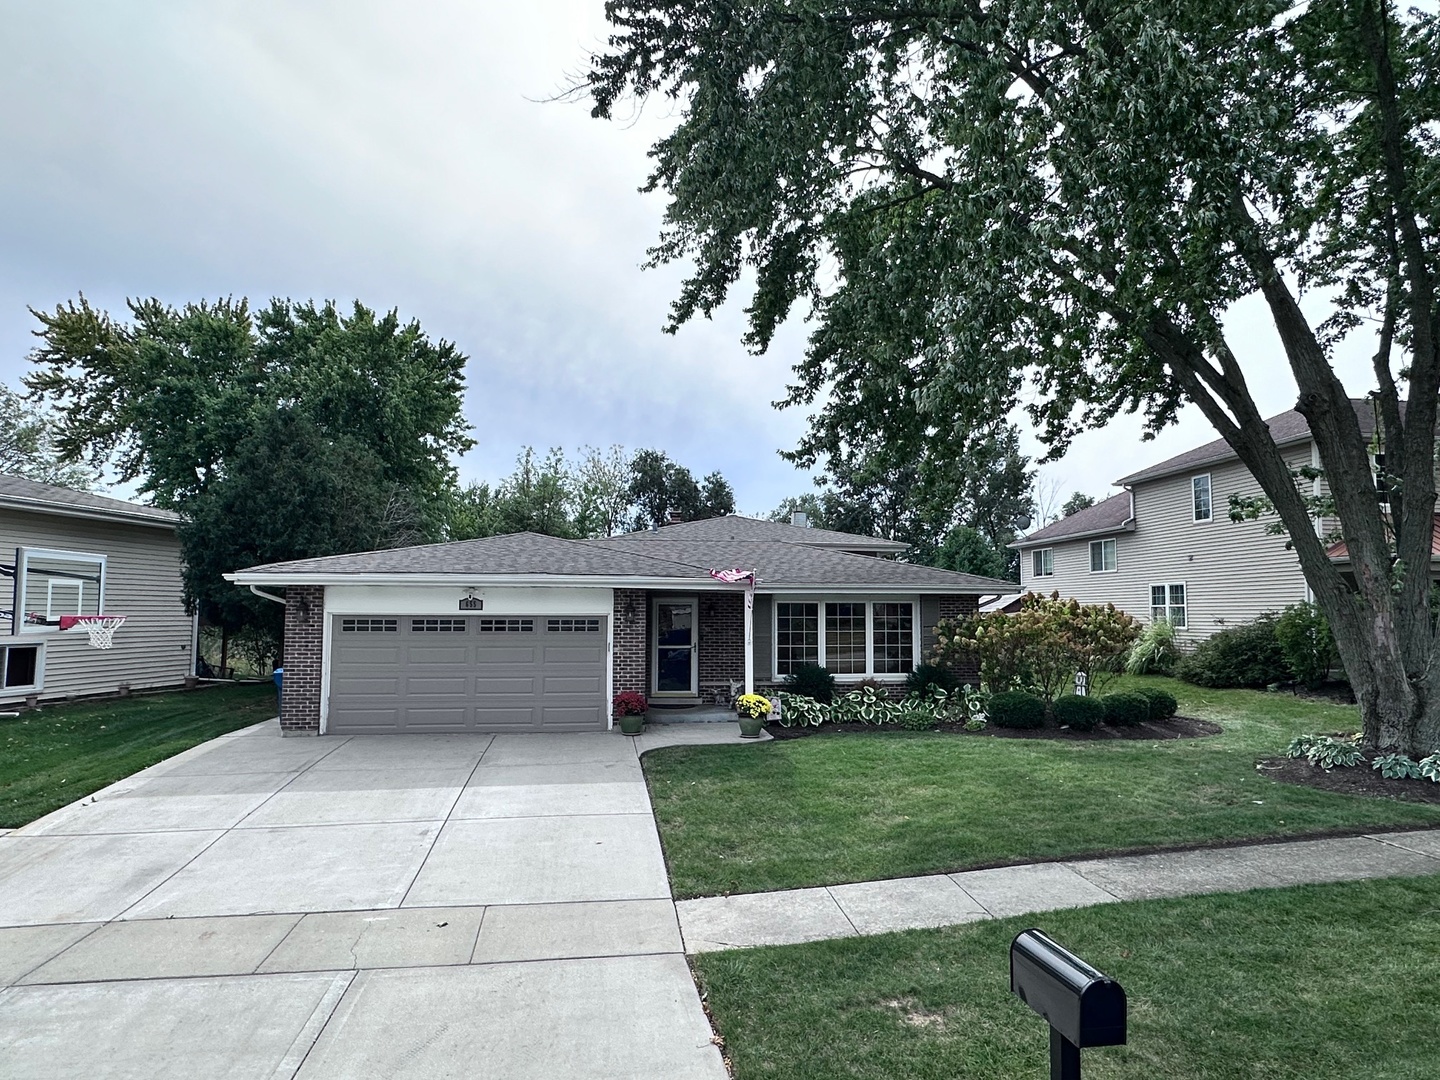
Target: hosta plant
<point x="1429" y="768"/>
<point x="1326" y="751"/>
<point x="1396" y="767"/>
<point x="798" y="710"/>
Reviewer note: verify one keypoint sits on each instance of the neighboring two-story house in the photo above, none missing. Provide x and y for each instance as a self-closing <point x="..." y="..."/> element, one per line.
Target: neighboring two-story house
<point x="1165" y="547"/>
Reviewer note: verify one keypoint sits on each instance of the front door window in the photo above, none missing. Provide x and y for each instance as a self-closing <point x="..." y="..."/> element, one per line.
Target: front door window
<point x="675" y="646"/>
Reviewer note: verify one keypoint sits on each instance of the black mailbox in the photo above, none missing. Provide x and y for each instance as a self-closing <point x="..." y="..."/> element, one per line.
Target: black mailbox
<point x="1083" y="1006"/>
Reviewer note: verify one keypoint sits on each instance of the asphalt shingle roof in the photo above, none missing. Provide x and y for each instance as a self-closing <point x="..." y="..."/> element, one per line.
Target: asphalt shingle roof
<point x="19" y="493"/>
<point x="738" y="527"/>
<point x="1108" y="515"/>
<point x="778" y="564"/>
<point x="1287" y="427"/>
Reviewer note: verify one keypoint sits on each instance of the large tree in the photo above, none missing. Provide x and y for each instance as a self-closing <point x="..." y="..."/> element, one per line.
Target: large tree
<point x="1072" y="194"/>
<point x="294" y="431"/>
<point x="27" y="446"/>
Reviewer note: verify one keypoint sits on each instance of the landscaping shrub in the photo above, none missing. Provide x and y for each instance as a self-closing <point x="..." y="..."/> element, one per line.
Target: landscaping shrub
<point x="1238" y="656"/>
<point x="797" y="710"/>
<point x="1305" y="642"/>
<point x="919" y="720"/>
<point x="1155" y="652"/>
<point x="1077" y="713"/>
<point x="812" y="681"/>
<point x="1016" y="709"/>
<point x="927" y="677"/>
<point x="1042" y="646"/>
<point x="1327" y="751"/>
<point x="1162" y="703"/>
<point x="1125" y="710"/>
<point x="866" y="705"/>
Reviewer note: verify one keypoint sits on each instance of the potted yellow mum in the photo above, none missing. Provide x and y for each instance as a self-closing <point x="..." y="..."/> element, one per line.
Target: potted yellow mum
<point x="753" y="709"/>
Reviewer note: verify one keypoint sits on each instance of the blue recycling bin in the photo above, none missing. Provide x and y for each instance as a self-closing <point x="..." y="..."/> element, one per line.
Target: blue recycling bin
<point x="279" y="677"/>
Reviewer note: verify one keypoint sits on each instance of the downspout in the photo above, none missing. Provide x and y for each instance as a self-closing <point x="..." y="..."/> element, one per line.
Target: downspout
<point x="267" y="595"/>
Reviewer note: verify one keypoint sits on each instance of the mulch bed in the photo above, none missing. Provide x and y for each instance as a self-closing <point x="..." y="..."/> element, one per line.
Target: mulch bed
<point x="1357" y="780"/>
<point x="1177" y="727"/>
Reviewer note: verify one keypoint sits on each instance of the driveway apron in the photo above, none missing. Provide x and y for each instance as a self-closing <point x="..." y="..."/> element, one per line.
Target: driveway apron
<point x="398" y="906"/>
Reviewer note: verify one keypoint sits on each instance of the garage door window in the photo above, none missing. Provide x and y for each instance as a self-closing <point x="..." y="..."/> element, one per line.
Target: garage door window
<point x="507" y="626"/>
<point x="370" y="626"/>
<point x="438" y="626"/>
<point x="573" y="626"/>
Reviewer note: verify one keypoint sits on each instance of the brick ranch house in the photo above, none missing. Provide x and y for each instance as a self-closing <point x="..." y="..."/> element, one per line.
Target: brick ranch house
<point x="525" y="632"/>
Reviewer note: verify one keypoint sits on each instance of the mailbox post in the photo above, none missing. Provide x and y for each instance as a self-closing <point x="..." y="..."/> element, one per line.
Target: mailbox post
<point x="1082" y="1006"/>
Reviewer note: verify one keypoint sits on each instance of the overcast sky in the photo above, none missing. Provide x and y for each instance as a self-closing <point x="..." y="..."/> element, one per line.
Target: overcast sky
<point x="403" y="154"/>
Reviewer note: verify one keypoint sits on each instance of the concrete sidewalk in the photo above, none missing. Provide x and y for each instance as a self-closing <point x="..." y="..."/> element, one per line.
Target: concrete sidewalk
<point x="878" y="907"/>
<point x="398" y="906"/>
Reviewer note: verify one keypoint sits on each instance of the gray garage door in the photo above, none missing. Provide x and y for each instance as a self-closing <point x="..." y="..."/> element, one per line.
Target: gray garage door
<point x="393" y="673"/>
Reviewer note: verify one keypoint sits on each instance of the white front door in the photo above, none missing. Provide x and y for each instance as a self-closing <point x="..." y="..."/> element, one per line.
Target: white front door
<point x="673" y="663"/>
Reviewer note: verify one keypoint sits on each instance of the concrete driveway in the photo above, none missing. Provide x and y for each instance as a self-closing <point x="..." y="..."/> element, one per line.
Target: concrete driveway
<point x="386" y="906"/>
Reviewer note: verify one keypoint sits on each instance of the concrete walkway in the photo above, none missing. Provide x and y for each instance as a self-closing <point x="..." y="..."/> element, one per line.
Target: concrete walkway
<point x="878" y="907"/>
<point x="397" y="906"/>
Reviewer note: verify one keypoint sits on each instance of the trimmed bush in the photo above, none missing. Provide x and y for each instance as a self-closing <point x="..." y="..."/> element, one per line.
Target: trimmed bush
<point x="812" y="681"/>
<point x="1237" y="657"/>
<point x="1016" y="709"/>
<point x="1303" y="636"/>
<point x="1077" y="713"/>
<point x="1125" y="710"/>
<point x="927" y="677"/>
<point x="1162" y="703"/>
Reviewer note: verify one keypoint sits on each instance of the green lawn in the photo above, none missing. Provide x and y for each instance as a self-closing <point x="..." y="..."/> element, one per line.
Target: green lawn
<point x="1329" y="981"/>
<point x="830" y="809"/>
<point x="64" y="752"/>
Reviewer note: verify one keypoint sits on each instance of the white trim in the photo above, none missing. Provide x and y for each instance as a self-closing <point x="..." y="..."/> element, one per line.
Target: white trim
<point x="821" y="599"/>
<point x="38" y="644"/>
<point x="23" y="556"/>
<point x="1167" y="586"/>
<point x="1041" y="551"/>
<point x="1114" y="551"/>
<point x="608" y="703"/>
<point x="36" y="506"/>
<point x="600" y="581"/>
<point x="1209" y="499"/>
<point x="654" y="645"/>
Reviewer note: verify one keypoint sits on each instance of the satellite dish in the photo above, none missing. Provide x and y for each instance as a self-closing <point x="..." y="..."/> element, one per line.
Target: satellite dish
<point x="1022" y="522"/>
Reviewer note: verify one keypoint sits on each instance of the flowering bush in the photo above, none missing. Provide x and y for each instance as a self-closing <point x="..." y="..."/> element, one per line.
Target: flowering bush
<point x="752" y="706"/>
<point x="629" y="703"/>
<point x="1041" y="647"/>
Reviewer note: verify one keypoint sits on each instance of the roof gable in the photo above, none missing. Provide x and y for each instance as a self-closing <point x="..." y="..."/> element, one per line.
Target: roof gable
<point x="1107" y="516"/>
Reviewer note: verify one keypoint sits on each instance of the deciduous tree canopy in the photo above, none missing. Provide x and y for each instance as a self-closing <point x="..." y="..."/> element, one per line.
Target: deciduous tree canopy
<point x="1068" y="195"/>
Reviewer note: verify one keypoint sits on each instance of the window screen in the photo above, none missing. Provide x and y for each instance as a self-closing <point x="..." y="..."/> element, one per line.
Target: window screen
<point x="797" y="636"/>
<point x="845" y="639"/>
<point x="894" y="638"/>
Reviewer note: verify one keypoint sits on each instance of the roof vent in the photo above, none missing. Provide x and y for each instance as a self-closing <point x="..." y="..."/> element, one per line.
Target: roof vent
<point x="800" y="519"/>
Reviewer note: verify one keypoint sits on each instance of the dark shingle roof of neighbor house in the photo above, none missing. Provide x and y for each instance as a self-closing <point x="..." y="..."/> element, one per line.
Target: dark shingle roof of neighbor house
<point x="739" y="527"/>
<point x="1108" y="516"/>
<point x="1287" y="427"/>
<point x="17" y="493"/>
<point x="534" y="555"/>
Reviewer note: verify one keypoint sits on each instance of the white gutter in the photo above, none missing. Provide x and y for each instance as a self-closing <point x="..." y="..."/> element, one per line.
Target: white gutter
<point x="35" y="506"/>
<point x="463" y="581"/>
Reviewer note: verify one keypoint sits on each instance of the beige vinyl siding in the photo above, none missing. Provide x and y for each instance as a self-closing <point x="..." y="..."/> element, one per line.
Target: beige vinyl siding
<point x="142" y="581"/>
<point x="1232" y="571"/>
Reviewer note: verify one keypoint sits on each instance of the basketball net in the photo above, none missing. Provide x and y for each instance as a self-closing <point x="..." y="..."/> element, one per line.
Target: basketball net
<point x="100" y="628"/>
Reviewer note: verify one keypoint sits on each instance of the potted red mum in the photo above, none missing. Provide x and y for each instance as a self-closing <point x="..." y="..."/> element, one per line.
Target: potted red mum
<point x="629" y="707"/>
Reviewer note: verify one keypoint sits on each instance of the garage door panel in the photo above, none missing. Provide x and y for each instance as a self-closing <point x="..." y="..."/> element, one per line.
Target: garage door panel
<point x="418" y="679"/>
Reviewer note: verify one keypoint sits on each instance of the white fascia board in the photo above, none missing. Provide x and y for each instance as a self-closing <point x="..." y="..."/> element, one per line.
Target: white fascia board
<point x="34" y="507"/>
<point x="240" y="577"/>
<point x="1127" y="526"/>
<point x="899" y="588"/>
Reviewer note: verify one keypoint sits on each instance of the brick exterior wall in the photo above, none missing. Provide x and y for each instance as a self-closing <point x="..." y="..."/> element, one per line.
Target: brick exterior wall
<point x="722" y="641"/>
<point x="630" y="660"/>
<point x="303" y="645"/>
<point x="960" y="607"/>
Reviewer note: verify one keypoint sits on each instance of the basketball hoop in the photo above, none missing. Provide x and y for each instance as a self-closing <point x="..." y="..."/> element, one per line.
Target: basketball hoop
<point x="100" y="628"/>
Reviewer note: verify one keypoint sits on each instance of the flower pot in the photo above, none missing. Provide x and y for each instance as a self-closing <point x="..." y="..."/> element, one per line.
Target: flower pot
<point x="632" y="725"/>
<point x="751" y="726"/>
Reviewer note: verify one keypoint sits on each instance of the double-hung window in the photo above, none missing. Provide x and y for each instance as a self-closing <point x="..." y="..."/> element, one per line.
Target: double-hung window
<point x="853" y="638"/>
<point x="1200" y="497"/>
<point x="1167" y="602"/>
<point x="1042" y="562"/>
<point x="1102" y="556"/>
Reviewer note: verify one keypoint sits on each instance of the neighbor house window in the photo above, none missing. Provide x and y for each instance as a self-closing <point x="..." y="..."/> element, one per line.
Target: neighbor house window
<point x="1167" y="602"/>
<point x="52" y="584"/>
<point x="1102" y="556"/>
<point x="1200" y="497"/>
<point x="894" y="639"/>
<point x="797" y="636"/>
<point x="849" y="638"/>
<point x="1042" y="562"/>
<point x="20" y="667"/>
